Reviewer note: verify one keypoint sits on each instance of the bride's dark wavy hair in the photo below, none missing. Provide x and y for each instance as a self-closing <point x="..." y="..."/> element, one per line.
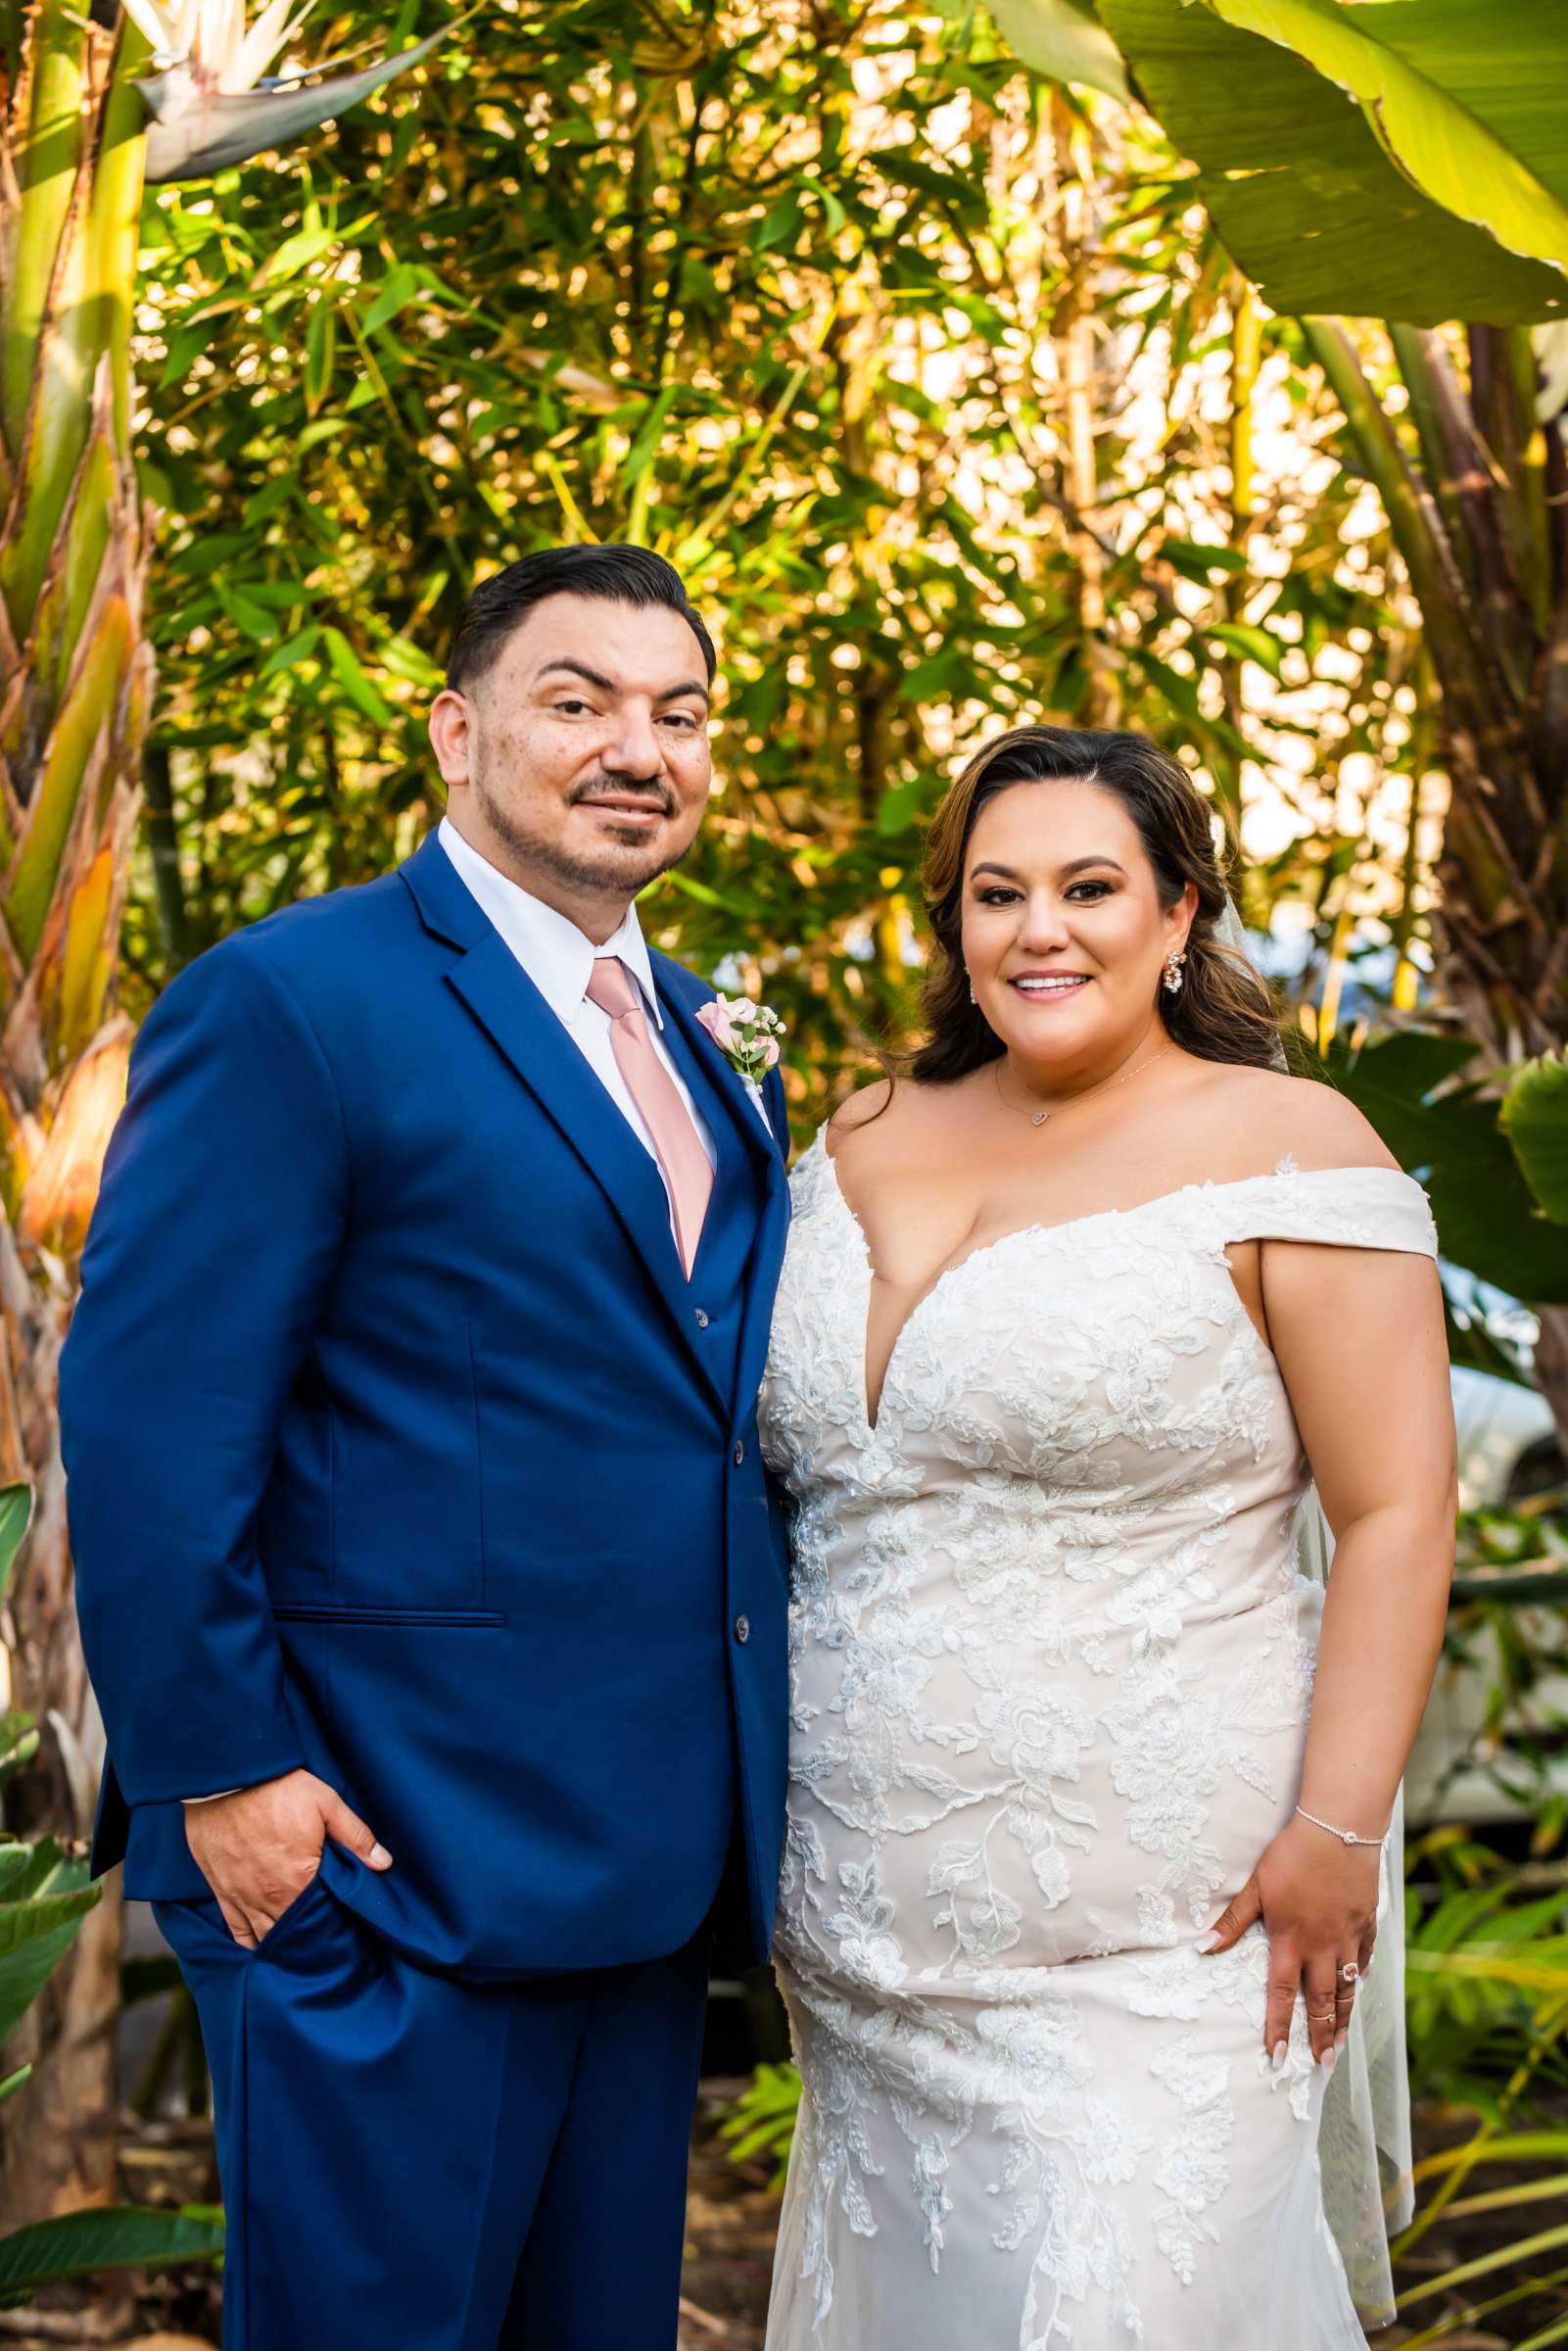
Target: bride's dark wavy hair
<point x="1223" y="1012"/>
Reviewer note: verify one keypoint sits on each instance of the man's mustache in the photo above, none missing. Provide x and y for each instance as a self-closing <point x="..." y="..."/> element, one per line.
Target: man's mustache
<point x="624" y="787"/>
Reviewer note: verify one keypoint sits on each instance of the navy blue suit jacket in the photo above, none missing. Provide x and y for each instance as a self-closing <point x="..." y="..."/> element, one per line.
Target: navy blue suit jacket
<point x="400" y="1447"/>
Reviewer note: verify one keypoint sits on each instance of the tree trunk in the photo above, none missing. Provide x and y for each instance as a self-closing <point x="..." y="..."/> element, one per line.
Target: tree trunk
<point x="1479" y="512"/>
<point x="1551" y="1365"/>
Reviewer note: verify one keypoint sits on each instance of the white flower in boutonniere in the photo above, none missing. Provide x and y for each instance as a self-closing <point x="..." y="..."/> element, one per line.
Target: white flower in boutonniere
<point x="746" y="1033"/>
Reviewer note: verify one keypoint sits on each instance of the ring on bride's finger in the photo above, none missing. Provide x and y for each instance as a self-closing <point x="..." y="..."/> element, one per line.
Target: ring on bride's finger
<point x="1349" y="1972"/>
<point x="1327" y="2019"/>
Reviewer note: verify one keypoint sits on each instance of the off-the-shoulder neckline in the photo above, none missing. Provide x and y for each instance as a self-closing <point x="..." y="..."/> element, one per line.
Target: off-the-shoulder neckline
<point x="1286" y="1171"/>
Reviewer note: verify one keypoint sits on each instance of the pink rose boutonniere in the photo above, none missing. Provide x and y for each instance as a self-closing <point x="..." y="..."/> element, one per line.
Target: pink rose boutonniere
<point x="746" y="1033"/>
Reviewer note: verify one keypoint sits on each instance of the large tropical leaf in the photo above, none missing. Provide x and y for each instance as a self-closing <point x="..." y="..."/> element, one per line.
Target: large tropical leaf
<point x="1465" y="96"/>
<point x="1065" y="40"/>
<point x="44" y="1897"/>
<point x="1305" y="185"/>
<point x="1301" y="189"/>
<point x="16" y="1508"/>
<point x="1451" y="1135"/>
<point x="123" y="2236"/>
<point x="1534" y="1117"/>
<point x="19" y="1742"/>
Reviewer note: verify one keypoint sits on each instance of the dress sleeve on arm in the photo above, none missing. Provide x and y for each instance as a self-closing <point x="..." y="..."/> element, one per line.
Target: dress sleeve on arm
<point x="1352" y="1207"/>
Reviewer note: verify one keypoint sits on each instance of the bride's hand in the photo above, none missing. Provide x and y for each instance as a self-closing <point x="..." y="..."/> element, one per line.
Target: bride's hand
<point x="1318" y="1899"/>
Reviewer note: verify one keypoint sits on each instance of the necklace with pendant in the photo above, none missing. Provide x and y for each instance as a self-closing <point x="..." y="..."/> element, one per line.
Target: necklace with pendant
<point x="1038" y="1118"/>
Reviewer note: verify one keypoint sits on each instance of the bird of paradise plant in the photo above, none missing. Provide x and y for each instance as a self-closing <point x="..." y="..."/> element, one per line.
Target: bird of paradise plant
<point x="95" y="103"/>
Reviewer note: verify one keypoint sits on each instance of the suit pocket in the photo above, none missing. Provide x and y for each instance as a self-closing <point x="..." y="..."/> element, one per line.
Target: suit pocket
<point x="314" y="1612"/>
<point x="287" y="1920"/>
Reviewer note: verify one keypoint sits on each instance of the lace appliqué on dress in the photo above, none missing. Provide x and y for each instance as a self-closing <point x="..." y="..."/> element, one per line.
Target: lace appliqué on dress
<point x="1051" y="1665"/>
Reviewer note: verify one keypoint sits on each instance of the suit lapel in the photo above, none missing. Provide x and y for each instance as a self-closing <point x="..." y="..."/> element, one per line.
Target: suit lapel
<point x="762" y="1282"/>
<point x="497" y="991"/>
<point x="724" y="1095"/>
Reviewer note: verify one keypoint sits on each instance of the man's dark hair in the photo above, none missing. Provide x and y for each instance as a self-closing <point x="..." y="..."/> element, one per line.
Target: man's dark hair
<point x="622" y="575"/>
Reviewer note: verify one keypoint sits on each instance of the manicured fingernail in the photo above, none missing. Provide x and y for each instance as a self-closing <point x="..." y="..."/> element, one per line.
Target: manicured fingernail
<point x="1326" y="2061"/>
<point x="1340" y="2039"/>
<point x="1277" y="2057"/>
<point x="380" y="1859"/>
<point x="1211" y="1941"/>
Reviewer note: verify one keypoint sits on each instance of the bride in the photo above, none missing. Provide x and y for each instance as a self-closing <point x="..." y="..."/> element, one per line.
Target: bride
<point x="1087" y="1820"/>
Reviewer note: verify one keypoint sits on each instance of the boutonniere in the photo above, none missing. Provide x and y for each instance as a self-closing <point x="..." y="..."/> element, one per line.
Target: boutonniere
<point x="746" y="1033"/>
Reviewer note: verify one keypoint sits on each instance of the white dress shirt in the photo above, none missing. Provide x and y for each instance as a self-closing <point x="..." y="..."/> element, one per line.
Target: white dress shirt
<point x="559" y="960"/>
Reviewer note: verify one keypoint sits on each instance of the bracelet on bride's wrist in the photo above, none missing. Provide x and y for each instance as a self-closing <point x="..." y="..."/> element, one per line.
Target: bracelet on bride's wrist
<point x="1345" y="1836"/>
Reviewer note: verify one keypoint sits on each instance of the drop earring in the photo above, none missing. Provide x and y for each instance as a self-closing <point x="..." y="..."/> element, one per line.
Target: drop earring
<point x="1173" y="973"/>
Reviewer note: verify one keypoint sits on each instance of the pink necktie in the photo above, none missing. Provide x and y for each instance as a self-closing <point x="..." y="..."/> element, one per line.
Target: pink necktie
<point x="687" y="1176"/>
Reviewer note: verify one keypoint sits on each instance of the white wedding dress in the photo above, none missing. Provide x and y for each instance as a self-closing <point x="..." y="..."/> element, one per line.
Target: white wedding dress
<point x="1052" y="1659"/>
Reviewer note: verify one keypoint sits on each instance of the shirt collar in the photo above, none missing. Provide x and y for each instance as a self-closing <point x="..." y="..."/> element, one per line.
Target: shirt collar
<point x="557" y="958"/>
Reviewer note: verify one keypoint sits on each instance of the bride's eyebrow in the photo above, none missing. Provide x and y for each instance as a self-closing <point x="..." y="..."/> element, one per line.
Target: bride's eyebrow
<point x="1079" y="865"/>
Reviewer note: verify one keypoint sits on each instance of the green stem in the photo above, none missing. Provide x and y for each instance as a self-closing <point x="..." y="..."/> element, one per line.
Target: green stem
<point x="1412" y="515"/>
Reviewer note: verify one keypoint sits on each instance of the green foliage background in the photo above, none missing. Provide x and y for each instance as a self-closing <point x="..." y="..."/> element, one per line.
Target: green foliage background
<point x="927" y="382"/>
<point x="935" y="382"/>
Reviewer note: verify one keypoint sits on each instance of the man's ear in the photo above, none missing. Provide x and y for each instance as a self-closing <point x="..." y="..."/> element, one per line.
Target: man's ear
<point x="452" y="723"/>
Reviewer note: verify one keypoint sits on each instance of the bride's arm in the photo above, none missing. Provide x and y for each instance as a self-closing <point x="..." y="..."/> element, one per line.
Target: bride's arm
<point x="1360" y="1339"/>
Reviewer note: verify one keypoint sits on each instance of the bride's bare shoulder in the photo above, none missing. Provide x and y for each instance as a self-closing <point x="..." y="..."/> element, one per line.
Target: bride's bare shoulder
<point x="888" y="1110"/>
<point x="1260" y="1117"/>
<point x="858" y="1111"/>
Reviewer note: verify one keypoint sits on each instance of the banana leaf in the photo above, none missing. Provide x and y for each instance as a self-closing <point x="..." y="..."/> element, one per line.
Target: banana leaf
<point x="1534" y="1118"/>
<point x="1065" y="40"/>
<point x="1464" y="97"/>
<point x="44" y="1897"/>
<point x="16" y="1509"/>
<point x="123" y="2237"/>
<point x="1451" y="1135"/>
<point x="1404" y="160"/>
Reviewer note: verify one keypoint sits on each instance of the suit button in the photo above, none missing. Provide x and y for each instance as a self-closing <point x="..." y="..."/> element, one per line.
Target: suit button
<point x="702" y="1318"/>
<point x="743" y="1630"/>
<point x="739" y="1453"/>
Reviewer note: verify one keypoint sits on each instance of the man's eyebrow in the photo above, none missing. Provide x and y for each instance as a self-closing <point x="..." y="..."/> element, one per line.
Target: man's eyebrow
<point x="595" y="677"/>
<point x="579" y="669"/>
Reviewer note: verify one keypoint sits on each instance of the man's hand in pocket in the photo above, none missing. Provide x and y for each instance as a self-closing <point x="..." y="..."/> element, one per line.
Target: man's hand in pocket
<point x="259" y="1848"/>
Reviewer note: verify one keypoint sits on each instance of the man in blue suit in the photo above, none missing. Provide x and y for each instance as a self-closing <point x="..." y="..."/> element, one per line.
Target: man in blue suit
<point x="428" y="1573"/>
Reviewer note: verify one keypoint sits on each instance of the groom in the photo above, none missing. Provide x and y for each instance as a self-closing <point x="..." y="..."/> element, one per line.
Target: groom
<point x="428" y="1573"/>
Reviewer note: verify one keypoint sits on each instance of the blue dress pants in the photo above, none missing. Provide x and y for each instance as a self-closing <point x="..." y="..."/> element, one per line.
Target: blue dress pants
<point x="416" y="2163"/>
